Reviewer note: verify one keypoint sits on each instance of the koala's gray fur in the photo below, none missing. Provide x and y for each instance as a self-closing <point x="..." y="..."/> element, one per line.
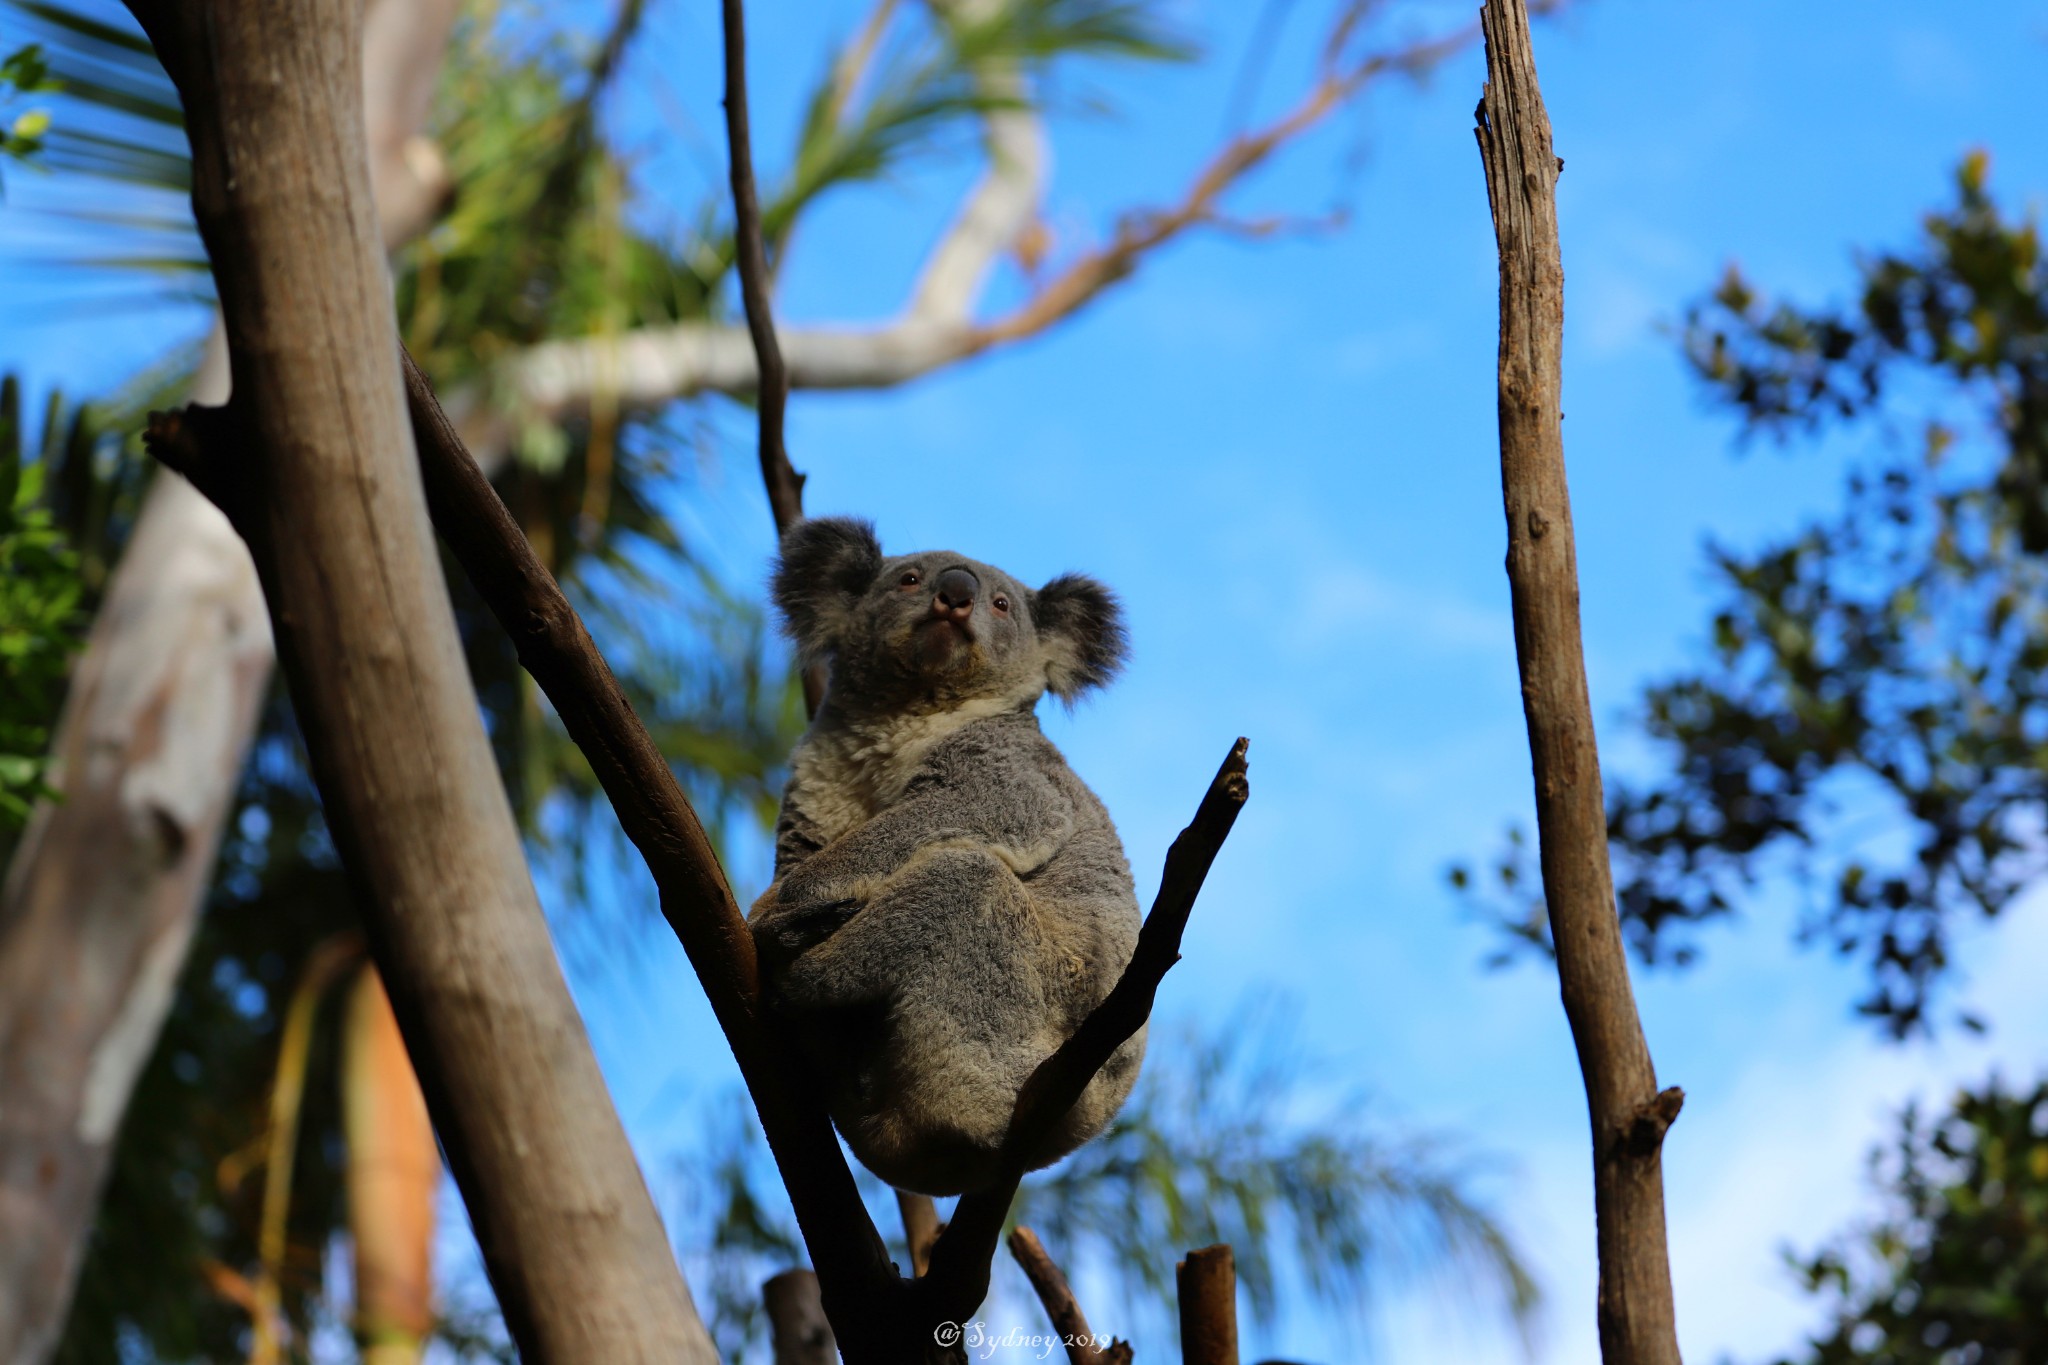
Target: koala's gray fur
<point x="950" y="900"/>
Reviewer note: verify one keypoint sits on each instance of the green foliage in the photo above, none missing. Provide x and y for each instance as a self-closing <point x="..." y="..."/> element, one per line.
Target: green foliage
<point x="931" y="83"/>
<point x="1955" y="1271"/>
<point x="1223" y="1140"/>
<point x="41" y="622"/>
<point x="1892" y="658"/>
<point x="23" y="72"/>
<point x="117" y="133"/>
<point x="535" y="242"/>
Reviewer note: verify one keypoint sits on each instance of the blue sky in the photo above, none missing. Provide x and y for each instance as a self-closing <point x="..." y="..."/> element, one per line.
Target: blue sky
<point x="1283" y="456"/>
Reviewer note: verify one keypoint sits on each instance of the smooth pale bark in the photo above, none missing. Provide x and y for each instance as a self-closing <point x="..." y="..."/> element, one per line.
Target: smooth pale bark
<point x="103" y="894"/>
<point x="314" y="462"/>
<point x="102" y="897"/>
<point x="1629" y="1115"/>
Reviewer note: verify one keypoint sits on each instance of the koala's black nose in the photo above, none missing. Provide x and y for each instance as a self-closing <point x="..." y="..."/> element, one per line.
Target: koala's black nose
<point x="953" y="594"/>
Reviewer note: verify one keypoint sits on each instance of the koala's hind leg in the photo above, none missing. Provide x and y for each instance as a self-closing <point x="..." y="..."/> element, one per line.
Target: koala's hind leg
<point x="950" y="948"/>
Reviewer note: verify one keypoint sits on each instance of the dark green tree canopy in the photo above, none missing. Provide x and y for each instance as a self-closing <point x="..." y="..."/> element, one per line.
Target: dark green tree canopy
<point x="1955" y="1269"/>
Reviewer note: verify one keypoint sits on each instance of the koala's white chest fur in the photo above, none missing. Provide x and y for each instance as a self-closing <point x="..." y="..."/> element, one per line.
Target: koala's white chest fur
<point x="843" y="776"/>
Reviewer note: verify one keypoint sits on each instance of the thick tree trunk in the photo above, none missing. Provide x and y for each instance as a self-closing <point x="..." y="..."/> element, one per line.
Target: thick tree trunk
<point x="313" y="460"/>
<point x="1629" y="1115"/>
<point x="103" y="894"/>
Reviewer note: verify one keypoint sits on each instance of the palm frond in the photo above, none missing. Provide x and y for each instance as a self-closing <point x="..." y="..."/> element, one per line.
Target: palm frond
<point x="1222" y="1144"/>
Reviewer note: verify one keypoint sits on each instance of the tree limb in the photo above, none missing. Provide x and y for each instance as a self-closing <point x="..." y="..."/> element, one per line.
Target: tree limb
<point x="1069" y="1323"/>
<point x="771" y="392"/>
<point x="798" y="1331"/>
<point x="696" y="899"/>
<point x="921" y="1227"/>
<point x="1629" y="1114"/>
<point x="876" y="1314"/>
<point x="103" y="893"/>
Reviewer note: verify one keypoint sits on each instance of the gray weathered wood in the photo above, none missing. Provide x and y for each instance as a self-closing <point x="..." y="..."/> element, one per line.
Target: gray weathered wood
<point x="1629" y="1115"/>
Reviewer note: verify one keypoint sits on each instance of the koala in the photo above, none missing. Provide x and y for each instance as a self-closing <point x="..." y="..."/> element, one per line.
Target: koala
<point x="950" y="900"/>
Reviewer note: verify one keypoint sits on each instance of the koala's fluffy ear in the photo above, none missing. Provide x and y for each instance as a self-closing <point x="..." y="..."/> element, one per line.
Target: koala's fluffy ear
<point x="1081" y="629"/>
<point x="825" y="566"/>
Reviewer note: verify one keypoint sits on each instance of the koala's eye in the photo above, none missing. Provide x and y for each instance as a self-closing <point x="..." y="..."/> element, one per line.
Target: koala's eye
<point x="1002" y="603"/>
<point x="910" y="579"/>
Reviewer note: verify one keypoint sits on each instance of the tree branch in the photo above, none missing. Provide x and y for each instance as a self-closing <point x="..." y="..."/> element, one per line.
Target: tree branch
<point x="875" y="1313"/>
<point x="103" y="892"/>
<point x="1069" y="1323"/>
<point x="798" y="1331"/>
<point x="921" y="1227"/>
<point x="1629" y="1114"/>
<point x="771" y="392"/>
<point x="696" y="899"/>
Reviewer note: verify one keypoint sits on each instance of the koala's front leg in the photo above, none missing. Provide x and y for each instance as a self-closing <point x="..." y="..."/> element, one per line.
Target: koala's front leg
<point x="1021" y="823"/>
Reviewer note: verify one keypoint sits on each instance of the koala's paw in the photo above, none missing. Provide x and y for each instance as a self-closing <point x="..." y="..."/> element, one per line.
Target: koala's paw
<point x="787" y="932"/>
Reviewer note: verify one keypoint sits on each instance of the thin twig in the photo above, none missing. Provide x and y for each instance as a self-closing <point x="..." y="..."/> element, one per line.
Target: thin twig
<point x="785" y="485"/>
<point x="1069" y="1323"/>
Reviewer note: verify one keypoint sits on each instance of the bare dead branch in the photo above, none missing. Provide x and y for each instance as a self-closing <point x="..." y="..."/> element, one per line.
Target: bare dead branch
<point x="921" y="1227"/>
<point x="958" y="1279"/>
<point x="1628" y="1112"/>
<point x="771" y="392"/>
<point x="1069" y="1323"/>
<point x="798" y="1331"/>
<point x="1207" y="1284"/>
